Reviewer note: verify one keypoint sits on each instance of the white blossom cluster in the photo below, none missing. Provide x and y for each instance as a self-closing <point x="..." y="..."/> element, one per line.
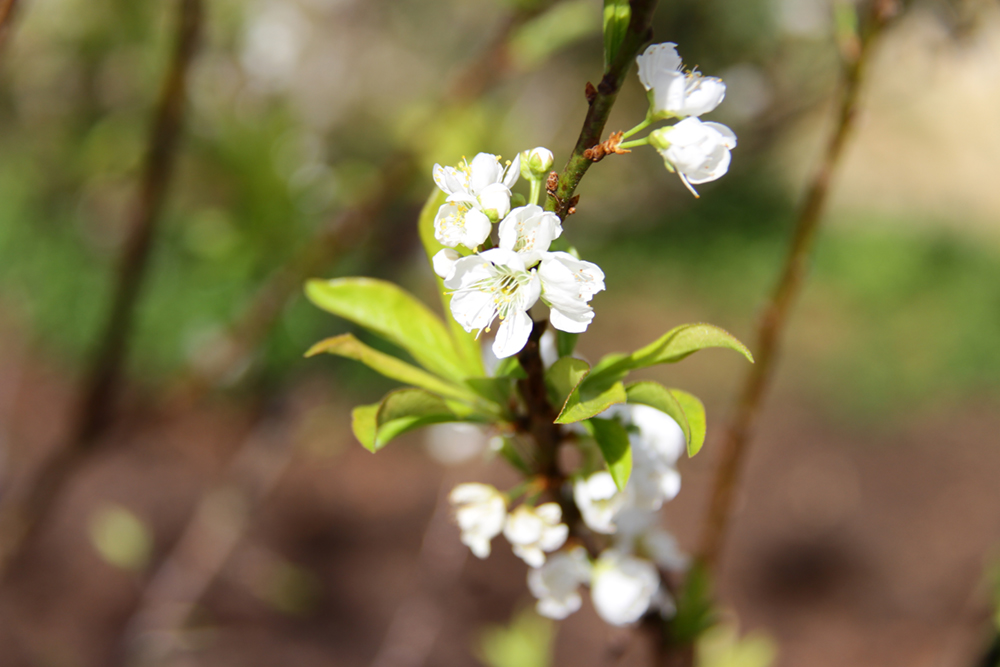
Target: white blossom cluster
<point x="698" y="151"/>
<point x="624" y="579"/>
<point x="507" y="280"/>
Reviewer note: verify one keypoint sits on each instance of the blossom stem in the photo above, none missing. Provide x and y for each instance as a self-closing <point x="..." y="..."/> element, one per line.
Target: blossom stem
<point x="636" y="142"/>
<point x="603" y="98"/>
<point x="536" y="191"/>
<point x="736" y="438"/>
<point x="639" y="128"/>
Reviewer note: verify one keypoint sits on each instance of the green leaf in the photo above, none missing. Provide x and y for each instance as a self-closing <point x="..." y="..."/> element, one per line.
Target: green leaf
<point x="695" y="607"/>
<point x="591" y="398"/>
<point x="347" y="345"/>
<point x="685" y="409"/>
<point x="465" y="342"/>
<point x="565" y="343"/>
<point x="563" y="377"/>
<point x="617" y="14"/>
<point x="670" y="348"/>
<point x="510" y="367"/>
<point x="496" y="390"/>
<point x="394" y="314"/>
<point x="612" y="438"/>
<point x="364" y="423"/>
<point x="404" y="410"/>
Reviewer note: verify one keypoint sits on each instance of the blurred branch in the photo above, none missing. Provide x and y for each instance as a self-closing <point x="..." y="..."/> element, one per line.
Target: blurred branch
<point x="7" y="10"/>
<point x="155" y="633"/>
<point x="771" y="327"/>
<point x="19" y="517"/>
<point x="601" y="100"/>
<point x="347" y="228"/>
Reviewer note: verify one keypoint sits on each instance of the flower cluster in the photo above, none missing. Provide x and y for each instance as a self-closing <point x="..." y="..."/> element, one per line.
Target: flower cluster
<point x="505" y="281"/>
<point x="624" y="578"/>
<point x="698" y="151"/>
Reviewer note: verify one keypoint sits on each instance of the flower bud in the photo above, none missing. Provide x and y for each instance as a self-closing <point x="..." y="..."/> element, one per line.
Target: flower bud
<point x="658" y="138"/>
<point x="535" y="164"/>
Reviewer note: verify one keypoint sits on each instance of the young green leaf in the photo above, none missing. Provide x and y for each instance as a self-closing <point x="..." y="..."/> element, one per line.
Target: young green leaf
<point x="564" y="376"/>
<point x="404" y="410"/>
<point x="685" y="409"/>
<point x="565" y="343"/>
<point x="591" y="398"/>
<point x="465" y="342"/>
<point x="364" y="423"/>
<point x="346" y="345"/>
<point x="671" y="347"/>
<point x="617" y="14"/>
<point x="394" y="314"/>
<point x="612" y="438"/>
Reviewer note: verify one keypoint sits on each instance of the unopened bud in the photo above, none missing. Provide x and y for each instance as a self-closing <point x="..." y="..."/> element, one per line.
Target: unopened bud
<point x="536" y="163"/>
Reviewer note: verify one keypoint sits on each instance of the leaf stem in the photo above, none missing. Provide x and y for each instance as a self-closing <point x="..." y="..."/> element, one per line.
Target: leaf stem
<point x="536" y="191"/>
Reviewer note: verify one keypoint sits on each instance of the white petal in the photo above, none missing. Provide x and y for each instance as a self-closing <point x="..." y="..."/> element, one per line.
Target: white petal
<point x="444" y="262"/>
<point x="477" y="229"/>
<point x="533" y="556"/>
<point x="495" y="197"/>
<point x="554" y="537"/>
<point x="512" y="335"/>
<point x="656" y="60"/>
<point x="513" y="172"/>
<point x="485" y="170"/>
<point x="550" y="513"/>
<point x="570" y="320"/>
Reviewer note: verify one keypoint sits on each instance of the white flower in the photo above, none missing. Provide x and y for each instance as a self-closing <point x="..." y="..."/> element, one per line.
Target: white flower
<point x="673" y="92"/>
<point x="623" y="587"/>
<point x="698" y="151"/>
<point x="568" y="284"/>
<point x="657" y="443"/>
<point x="662" y="547"/>
<point x="490" y="284"/>
<point x="534" y="530"/>
<point x="444" y="260"/>
<point x="556" y="584"/>
<point x="529" y="231"/>
<point x="536" y="162"/>
<point x="481" y="511"/>
<point x="599" y="501"/>
<point x="638" y="533"/>
<point x="478" y="195"/>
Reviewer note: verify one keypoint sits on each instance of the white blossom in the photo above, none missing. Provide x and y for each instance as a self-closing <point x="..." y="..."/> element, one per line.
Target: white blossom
<point x="657" y="444"/>
<point x="623" y="587"/>
<point x="534" y="530"/>
<point x="599" y="501"/>
<point x="480" y="511"/>
<point x="491" y="284"/>
<point x="568" y="285"/>
<point x="478" y="195"/>
<point x="556" y="584"/>
<point x="639" y="534"/>
<point x="698" y="151"/>
<point x="673" y="92"/>
<point x="529" y="231"/>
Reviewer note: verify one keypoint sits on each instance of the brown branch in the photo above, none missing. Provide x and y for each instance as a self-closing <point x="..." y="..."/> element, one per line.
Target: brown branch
<point x="19" y="517"/>
<point x="771" y="327"/>
<point x="601" y="101"/>
<point x="7" y="11"/>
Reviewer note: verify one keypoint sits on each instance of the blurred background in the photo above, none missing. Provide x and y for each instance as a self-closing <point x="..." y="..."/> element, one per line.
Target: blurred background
<point x="226" y="516"/>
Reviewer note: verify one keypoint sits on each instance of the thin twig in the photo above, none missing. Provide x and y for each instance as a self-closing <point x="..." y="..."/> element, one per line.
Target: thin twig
<point x="771" y="326"/>
<point x="19" y="517"/>
<point x="156" y="632"/>
<point x="7" y="8"/>
<point x="601" y="99"/>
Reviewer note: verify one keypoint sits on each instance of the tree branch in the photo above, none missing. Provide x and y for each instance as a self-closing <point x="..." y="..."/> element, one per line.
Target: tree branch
<point x="19" y="517"/>
<point x="602" y="99"/>
<point x="7" y="8"/>
<point x="771" y="327"/>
